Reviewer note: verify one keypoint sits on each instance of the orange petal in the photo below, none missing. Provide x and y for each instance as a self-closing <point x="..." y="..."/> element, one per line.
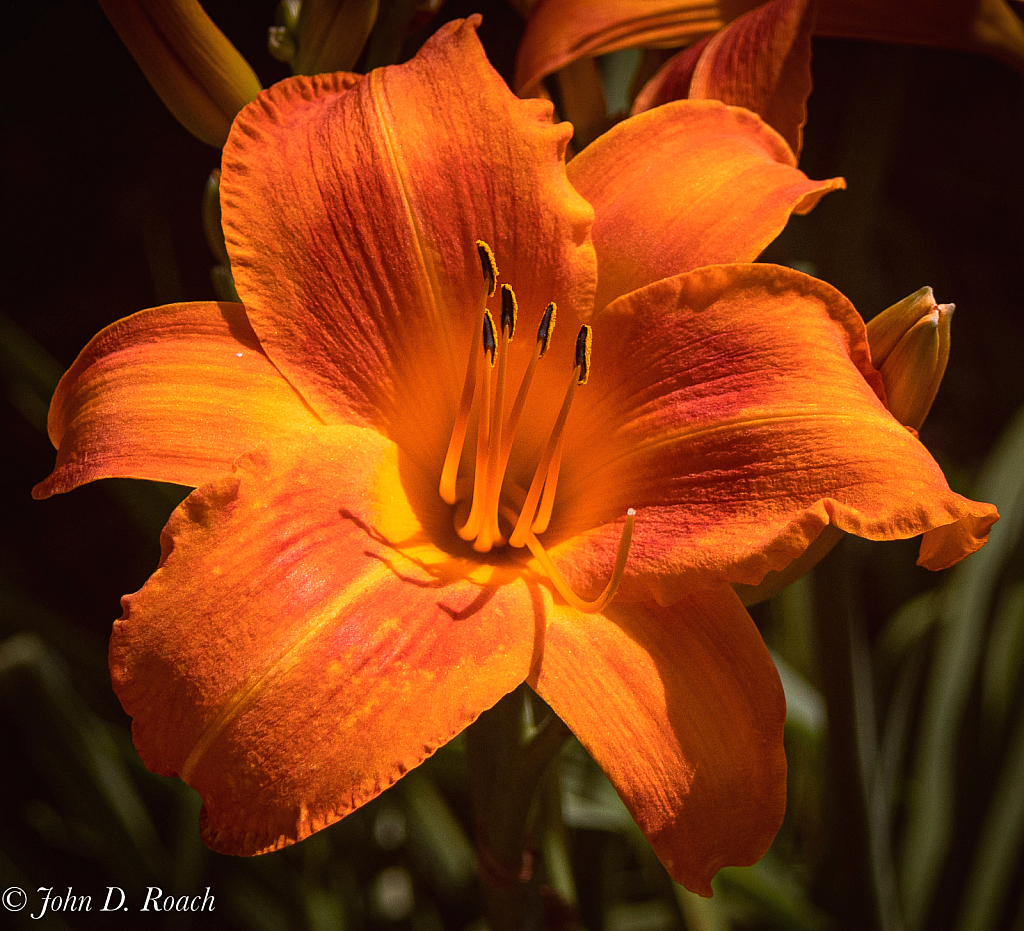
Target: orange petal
<point x="351" y="211"/>
<point x="689" y="184"/>
<point x="172" y="394"/>
<point x="286" y="663"/>
<point x="761" y="61"/>
<point x="683" y="709"/>
<point x="560" y="31"/>
<point x="737" y="410"/>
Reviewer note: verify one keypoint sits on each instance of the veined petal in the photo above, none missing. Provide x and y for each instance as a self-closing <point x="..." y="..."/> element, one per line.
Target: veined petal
<point x="351" y="208"/>
<point x="689" y="184"/>
<point x="560" y="31"/>
<point x="683" y="709"/>
<point x="761" y="61"/>
<point x="308" y="664"/>
<point x="171" y="394"/>
<point x="737" y="410"/>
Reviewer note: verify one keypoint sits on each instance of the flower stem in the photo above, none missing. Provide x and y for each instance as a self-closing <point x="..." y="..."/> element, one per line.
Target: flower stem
<point x="507" y="759"/>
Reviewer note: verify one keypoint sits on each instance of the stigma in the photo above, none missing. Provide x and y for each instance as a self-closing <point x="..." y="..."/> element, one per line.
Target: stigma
<point x="492" y="510"/>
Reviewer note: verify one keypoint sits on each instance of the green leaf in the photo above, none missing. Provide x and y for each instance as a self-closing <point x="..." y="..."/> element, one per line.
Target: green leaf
<point x="967" y="598"/>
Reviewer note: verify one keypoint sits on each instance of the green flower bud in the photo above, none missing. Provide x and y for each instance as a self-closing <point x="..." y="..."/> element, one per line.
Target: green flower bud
<point x="200" y="76"/>
<point x="910" y="348"/>
<point x="331" y="34"/>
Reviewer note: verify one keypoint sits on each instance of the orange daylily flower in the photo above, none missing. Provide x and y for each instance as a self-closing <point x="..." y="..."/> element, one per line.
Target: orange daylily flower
<point x="328" y="611"/>
<point x="559" y="32"/>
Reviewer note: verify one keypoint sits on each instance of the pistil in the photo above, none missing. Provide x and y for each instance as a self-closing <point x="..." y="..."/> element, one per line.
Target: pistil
<point x="558" y="580"/>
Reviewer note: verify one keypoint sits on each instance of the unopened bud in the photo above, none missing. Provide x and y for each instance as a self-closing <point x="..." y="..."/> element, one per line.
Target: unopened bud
<point x="910" y="348"/>
<point x="199" y="75"/>
<point x="280" y="44"/>
<point x="331" y="34"/>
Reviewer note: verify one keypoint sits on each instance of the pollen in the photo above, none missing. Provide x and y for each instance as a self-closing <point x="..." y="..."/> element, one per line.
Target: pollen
<point x="491" y="509"/>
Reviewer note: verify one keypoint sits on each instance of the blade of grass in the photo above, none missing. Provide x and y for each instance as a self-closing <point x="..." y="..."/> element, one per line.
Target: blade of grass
<point x="968" y="591"/>
<point x="71" y="749"/>
<point x="1000" y="845"/>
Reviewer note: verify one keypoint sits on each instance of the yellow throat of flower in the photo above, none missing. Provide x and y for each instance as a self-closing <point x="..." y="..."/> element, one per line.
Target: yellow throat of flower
<point x="482" y="502"/>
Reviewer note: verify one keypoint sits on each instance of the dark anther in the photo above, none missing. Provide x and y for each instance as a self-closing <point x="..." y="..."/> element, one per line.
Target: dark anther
<point x="509" y="311"/>
<point x="490" y="343"/>
<point x="546" y="328"/>
<point x="583" y="342"/>
<point x="488" y="266"/>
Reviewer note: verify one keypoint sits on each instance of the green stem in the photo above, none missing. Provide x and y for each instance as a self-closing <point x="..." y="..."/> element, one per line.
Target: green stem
<point x="507" y="761"/>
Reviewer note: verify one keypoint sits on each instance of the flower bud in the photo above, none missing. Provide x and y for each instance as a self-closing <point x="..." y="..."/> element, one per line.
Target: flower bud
<point x="331" y="34"/>
<point x="199" y="75"/>
<point x="910" y="348"/>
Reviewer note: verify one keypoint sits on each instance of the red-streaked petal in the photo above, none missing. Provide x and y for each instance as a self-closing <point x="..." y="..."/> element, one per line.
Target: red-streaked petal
<point x="683" y="709"/>
<point x="560" y="31"/>
<point x="351" y="209"/>
<point x="172" y="394"/>
<point x="761" y="61"/>
<point x="289" y="665"/>
<point x="689" y="184"/>
<point x="736" y="409"/>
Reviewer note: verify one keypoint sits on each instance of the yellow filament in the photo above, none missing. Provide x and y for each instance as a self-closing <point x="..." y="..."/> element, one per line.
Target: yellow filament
<point x="490" y="533"/>
<point x="517" y="412"/>
<point x="562" y="587"/>
<point x="472" y="526"/>
<point x="525" y="522"/>
<point x="547" y="501"/>
<point x="450" y="469"/>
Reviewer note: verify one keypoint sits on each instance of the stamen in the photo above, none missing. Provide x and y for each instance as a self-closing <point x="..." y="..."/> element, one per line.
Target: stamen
<point x="490" y="342"/>
<point x="479" y="498"/>
<point x="546" y="328"/>
<point x="584" y="341"/>
<point x="450" y="469"/>
<point x="544" y="331"/>
<point x="562" y="587"/>
<point x="548" y="467"/>
<point x="547" y="501"/>
<point x="488" y="266"/>
<point x="509" y="311"/>
<point x="472" y="526"/>
<point x="490" y="533"/>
